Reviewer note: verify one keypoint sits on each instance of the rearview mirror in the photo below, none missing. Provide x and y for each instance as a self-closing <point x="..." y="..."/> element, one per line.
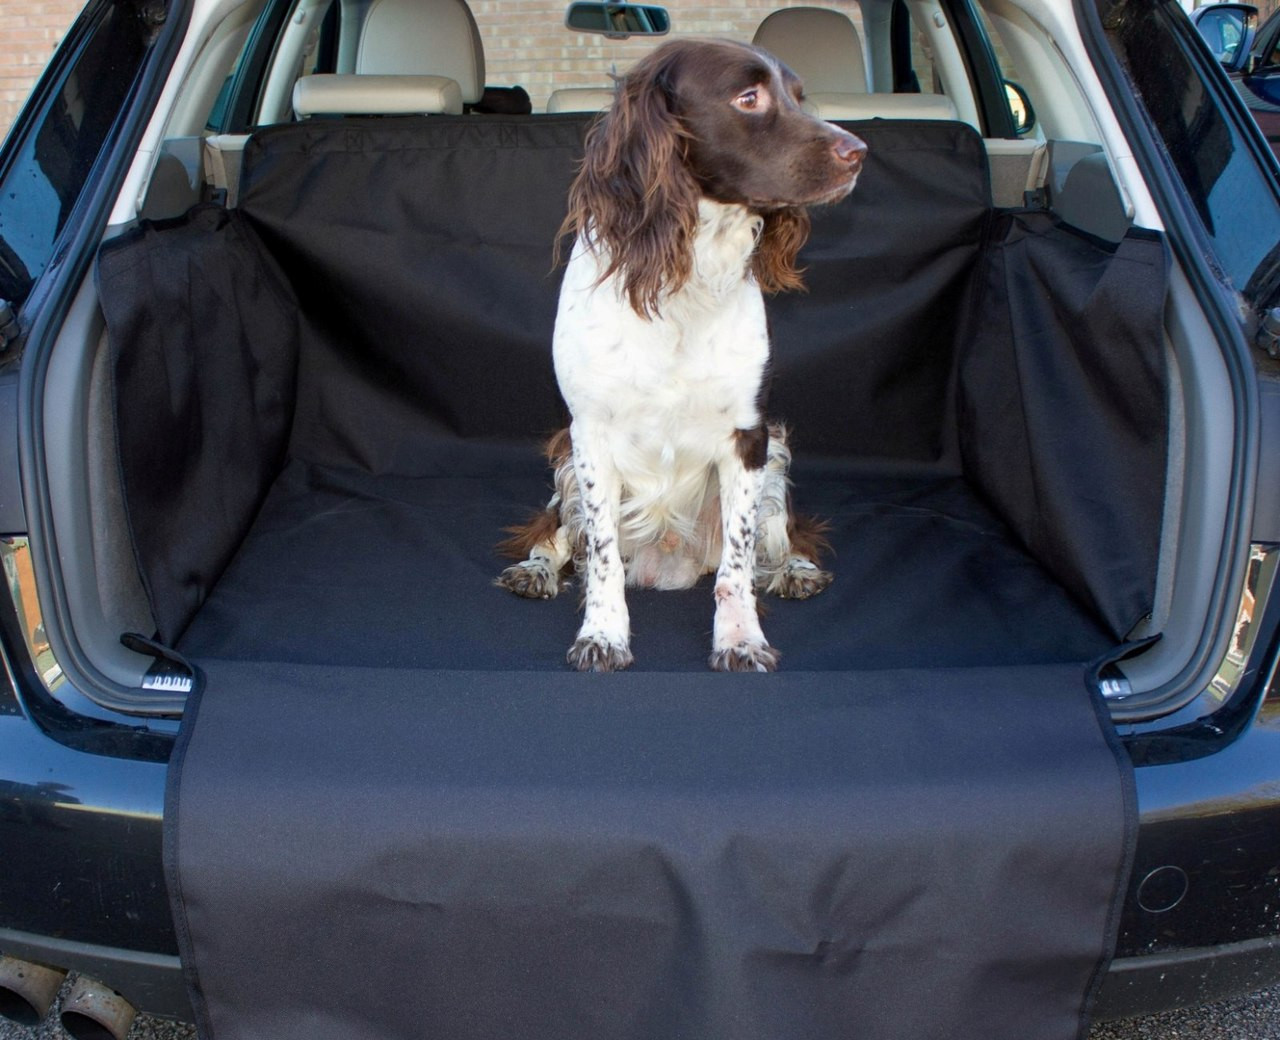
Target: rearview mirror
<point x="617" y="21"/>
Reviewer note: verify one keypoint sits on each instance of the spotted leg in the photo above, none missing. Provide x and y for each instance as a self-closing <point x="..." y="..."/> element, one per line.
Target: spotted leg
<point x="738" y="643"/>
<point x="604" y="639"/>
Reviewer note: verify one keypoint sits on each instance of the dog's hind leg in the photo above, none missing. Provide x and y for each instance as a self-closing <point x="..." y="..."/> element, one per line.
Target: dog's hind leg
<point x="538" y="575"/>
<point x="788" y="547"/>
<point x="551" y="537"/>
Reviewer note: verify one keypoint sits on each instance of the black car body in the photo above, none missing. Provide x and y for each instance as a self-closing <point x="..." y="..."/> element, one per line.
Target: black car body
<point x="87" y="725"/>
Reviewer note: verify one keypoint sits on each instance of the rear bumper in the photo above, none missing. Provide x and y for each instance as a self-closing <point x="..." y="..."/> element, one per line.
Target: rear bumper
<point x="90" y="824"/>
<point x="152" y="982"/>
<point x="1146" y="985"/>
<point x="1134" y="986"/>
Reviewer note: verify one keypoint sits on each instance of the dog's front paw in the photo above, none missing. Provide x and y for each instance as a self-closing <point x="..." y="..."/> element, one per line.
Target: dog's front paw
<point x="745" y="657"/>
<point x="799" y="579"/>
<point x="597" y="654"/>
<point x="532" y="579"/>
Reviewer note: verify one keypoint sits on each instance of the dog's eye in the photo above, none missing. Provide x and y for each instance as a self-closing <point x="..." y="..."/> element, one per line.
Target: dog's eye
<point x="753" y="100"/>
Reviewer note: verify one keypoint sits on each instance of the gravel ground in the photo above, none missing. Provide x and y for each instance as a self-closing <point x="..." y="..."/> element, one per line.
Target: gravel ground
<point x="1255" y="1017"/>
<point x="1247" y="1018"/>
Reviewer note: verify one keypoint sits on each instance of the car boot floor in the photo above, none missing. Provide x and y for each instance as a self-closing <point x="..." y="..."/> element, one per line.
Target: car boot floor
<point x="343" y="567"/>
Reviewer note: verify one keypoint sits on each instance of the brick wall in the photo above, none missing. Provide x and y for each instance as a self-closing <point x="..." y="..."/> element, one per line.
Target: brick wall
<point x="29" y="32"/>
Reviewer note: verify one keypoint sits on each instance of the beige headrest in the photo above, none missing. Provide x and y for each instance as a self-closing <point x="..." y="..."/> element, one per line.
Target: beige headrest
<point x="376" y="95"/>
<point x="820" y="45"/>
<point x="580" y="99"/>
<point x="423" y="37"/>
<point x="883" y="106"/>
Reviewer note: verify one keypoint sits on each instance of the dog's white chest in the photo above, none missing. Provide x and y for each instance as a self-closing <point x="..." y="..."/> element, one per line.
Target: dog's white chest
<point x="686" y="375"/>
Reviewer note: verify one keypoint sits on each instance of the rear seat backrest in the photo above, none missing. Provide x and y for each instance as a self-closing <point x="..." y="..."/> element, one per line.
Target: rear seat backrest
<point x="484" y="197"/>
<point x="414" y="57"/>
<point x="821" y="46"/>
<point x="423" y="37"/>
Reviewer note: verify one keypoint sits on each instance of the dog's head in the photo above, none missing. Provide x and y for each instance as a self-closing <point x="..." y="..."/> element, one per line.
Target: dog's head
<point x="750" y="141"/>
<point x="715" y="119"/>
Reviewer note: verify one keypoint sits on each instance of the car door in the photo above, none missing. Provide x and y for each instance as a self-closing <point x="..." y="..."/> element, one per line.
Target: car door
<point x="55" y="154"/>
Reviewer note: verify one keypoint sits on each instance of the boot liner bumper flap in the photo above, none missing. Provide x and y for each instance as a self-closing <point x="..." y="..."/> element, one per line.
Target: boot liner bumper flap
<point x="378" y="853"/>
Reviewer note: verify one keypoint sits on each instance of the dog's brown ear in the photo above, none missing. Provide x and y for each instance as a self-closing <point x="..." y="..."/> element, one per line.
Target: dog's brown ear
<point x="774" y="263"/>
<point x="634" y="196"/>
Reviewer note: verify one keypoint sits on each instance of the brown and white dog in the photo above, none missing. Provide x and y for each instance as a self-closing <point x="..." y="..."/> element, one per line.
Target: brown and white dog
<point x="690" y="202"/>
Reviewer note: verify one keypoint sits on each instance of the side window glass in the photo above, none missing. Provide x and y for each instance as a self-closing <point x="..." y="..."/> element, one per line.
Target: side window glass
<point x="58" y="138"/>
<point x="320" y="54"/>
<point x="218" y="114"/>
<point x="954" y="56"/>
<point x="1015" y="94"/>
<point x="1273" y="57"/>
<point x="1266" y="45"/>
<point x="915" y="71"/>
<point x="289" y="40"/>
<point x="1207" y="147"/>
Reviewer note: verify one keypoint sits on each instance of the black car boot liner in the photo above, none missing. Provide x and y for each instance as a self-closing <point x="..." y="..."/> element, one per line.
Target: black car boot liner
<point x="395" y="812"/>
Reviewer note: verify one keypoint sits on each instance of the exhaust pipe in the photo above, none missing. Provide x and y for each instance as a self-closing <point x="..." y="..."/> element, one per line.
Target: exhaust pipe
<point x="27" y="990"/>
<point x="91" y="1011"/>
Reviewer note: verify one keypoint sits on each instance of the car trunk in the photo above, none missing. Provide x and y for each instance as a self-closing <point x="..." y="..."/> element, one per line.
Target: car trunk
<point x="328" y="405"/>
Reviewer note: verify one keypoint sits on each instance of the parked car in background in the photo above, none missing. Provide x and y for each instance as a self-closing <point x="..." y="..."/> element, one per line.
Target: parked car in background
<point x="1251" y="56"/>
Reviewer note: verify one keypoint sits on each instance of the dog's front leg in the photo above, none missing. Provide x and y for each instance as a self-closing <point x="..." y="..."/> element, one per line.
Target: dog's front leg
<point x="738" y="643"/>
<point x="604" y="640"/>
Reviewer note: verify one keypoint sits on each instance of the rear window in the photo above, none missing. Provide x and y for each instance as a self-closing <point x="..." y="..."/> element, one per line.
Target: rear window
<point x="524" y="46"/>
<point x="548" y="57"/>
